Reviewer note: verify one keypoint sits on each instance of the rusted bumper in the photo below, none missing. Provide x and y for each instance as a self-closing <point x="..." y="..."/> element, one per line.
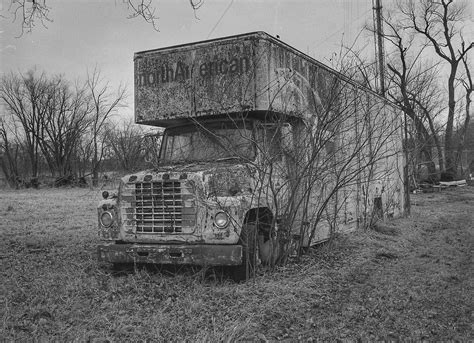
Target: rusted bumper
<point x="214" y="255"/>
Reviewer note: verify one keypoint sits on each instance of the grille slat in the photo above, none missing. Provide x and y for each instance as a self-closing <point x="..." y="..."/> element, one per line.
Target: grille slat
<point x="158" y="207"/>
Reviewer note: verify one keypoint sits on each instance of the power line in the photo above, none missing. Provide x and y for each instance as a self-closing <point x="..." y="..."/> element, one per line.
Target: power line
<point x="341" y="29"/>
<point x="222" y="16"/>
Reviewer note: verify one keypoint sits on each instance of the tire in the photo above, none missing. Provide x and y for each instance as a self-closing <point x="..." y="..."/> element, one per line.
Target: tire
<point x="269" y="250"/>
<point x="248" y="240"/>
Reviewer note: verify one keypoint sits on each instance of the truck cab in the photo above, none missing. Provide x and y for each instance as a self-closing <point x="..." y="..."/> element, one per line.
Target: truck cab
<point x="205" y="202"/>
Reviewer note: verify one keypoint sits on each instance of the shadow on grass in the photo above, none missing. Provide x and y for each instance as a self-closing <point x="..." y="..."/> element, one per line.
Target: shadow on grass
<point x="203" y="274"/>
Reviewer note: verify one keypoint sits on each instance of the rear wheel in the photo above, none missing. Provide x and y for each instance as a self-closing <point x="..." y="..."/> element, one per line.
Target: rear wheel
<point x="248" y="240"/>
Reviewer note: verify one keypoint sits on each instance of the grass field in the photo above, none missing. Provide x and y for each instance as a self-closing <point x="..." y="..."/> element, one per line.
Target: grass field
<point x="412" y="278"/>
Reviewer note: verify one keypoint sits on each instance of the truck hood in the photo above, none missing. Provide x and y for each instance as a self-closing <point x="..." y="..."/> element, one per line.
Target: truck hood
<point x="199" y="166"/>
<point x="223" y="178"/>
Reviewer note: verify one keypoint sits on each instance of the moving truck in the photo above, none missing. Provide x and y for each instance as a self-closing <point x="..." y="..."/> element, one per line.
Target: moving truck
<point x="264" y="150"/>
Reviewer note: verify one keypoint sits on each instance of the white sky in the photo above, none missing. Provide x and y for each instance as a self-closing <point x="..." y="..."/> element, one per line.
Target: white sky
<point x="85" y="33"/>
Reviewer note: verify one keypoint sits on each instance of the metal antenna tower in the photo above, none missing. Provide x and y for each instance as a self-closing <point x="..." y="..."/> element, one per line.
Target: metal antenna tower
<point x="379" y="47"/>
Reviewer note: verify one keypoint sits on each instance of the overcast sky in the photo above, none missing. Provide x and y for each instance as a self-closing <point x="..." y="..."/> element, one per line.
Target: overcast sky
<point x="84" y="33"/>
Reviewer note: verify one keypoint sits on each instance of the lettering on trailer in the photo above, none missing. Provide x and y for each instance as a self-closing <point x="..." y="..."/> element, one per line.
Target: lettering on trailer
<point x="182" y="72"/>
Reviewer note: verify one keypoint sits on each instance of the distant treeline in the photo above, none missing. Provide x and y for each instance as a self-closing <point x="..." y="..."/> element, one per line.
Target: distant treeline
<point x="68" y="132"/>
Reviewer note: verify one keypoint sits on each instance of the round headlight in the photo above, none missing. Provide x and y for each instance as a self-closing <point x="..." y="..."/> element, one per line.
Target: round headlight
<point x="221" y="219"/>
<point x="106" y="219"/>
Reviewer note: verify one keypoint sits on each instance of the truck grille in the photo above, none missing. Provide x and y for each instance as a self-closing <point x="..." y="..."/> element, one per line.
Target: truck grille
<point x="159" y="207"/>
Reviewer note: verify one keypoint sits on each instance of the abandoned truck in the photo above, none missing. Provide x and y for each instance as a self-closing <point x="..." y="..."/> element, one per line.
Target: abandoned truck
<point x="264" y="151"/>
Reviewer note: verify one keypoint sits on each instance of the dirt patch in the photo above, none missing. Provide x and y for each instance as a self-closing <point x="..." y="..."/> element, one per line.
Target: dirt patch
<point x="411" y="278"/>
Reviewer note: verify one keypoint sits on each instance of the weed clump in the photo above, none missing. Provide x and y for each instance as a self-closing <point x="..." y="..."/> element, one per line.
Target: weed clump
<point x="386" y="229"/>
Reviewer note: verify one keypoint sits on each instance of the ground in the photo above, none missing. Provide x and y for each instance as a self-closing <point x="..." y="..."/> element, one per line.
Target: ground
<point x="411" y="278"/>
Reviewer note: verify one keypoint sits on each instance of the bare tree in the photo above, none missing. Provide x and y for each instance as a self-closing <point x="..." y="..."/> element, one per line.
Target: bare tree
<point x="31" y="12"/>
<point x="468" y="87"/>
<point x="104" y="104"/>
<point x="65" y="120"/>
<point x="146" y="10"/>
<point x="440" y="23"/>
<point x="10" y="155"/>
<point x="342" y="143"/>
<point x="412" y="85"/>
<point x="24" y="97"/>
<point x="57" y="122"/>
<point x="427" y="99"/>
<point x="127" y="143"/>
<point x="353" y="64"/>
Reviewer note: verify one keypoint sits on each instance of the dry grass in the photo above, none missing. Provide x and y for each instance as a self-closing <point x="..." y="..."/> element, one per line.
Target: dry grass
<point x="409" y="279"/>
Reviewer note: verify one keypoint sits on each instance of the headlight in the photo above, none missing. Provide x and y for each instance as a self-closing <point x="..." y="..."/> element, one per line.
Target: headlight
<point x="106" y="219"/>
<point x="221" y="219"/>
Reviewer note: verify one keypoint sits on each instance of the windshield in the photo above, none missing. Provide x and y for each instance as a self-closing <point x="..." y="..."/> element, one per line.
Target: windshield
<point x="208" y="142"/>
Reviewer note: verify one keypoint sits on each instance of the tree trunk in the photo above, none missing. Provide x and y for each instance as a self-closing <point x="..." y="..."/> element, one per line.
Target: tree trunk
<point x="95" y="164"/>
<point x="450" y="156"/>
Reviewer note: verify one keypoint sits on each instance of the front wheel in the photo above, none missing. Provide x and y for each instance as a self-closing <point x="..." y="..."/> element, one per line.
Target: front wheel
<point x="248" y="240"/>
<point x="269" y="250"/>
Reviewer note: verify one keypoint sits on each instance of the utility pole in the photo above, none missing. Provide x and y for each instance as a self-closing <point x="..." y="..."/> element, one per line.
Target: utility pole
<point x="379" y="48"/>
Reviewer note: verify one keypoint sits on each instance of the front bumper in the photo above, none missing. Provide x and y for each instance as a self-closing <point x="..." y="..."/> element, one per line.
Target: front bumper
<point x="211" y="255"/>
